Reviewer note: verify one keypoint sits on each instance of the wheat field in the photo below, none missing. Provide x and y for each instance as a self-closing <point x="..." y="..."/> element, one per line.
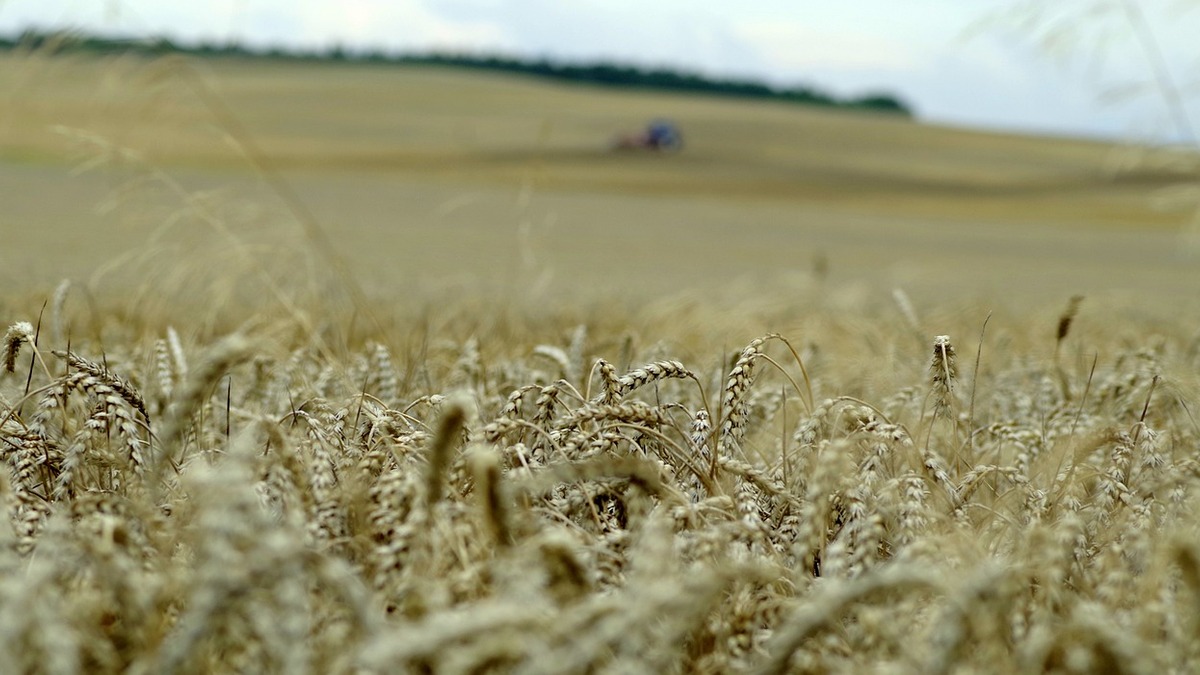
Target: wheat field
<point x="238" y="440"/>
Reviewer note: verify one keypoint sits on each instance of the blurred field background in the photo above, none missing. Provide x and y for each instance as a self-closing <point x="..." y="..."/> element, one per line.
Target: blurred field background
<point x="448" y="180"/>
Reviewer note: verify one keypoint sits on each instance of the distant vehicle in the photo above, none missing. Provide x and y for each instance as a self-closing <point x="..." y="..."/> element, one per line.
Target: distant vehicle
<point x="659" y="136"/>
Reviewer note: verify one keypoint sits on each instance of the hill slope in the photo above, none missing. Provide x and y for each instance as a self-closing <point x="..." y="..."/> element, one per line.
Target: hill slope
<point x="401" y="165"/>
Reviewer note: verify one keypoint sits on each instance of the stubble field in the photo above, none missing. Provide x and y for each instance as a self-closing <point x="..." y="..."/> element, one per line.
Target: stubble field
<point x="335" y="368"/>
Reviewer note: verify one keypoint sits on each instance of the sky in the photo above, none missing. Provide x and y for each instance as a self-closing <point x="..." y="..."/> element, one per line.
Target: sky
<point x="1075" y="67"/>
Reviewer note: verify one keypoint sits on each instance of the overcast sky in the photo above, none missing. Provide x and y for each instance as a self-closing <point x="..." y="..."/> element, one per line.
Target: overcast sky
<point x="935" y="54"/>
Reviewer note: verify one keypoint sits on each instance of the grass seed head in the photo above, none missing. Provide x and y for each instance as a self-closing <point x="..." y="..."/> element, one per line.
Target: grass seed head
<point x="943" y="371"/>
<point x="1067" y="318"/>
<point x="449" y="434"/>
<point x="19" y="333"/>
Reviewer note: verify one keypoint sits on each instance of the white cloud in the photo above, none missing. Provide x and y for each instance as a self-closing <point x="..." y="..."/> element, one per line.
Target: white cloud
<point x="405" y="24"/>
<point x="802" y="45"/>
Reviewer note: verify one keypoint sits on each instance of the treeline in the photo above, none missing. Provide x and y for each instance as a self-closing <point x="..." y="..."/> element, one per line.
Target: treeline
<point x="601" y="73"/>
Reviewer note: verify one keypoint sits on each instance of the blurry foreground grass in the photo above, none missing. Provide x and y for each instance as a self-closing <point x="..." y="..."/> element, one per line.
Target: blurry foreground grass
<point x="486" y="487"/>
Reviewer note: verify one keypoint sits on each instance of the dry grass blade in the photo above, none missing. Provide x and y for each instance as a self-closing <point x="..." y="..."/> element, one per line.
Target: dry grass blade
<point x="828" y="605"/>
<point x="196" y="389"/>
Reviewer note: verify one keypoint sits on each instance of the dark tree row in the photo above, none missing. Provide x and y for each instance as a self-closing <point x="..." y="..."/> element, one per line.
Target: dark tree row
<point x="599" y="73"/>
